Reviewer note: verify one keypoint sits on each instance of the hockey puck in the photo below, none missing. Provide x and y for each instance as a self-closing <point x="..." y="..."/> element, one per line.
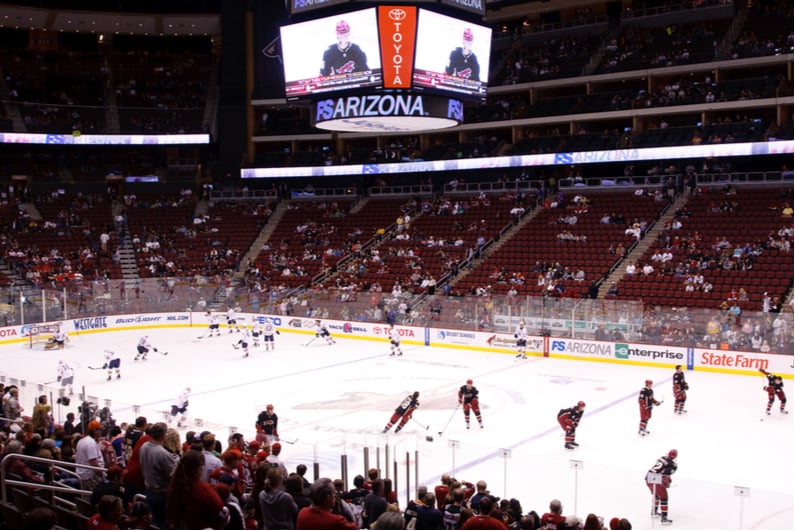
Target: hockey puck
<point x="429" y="438"/>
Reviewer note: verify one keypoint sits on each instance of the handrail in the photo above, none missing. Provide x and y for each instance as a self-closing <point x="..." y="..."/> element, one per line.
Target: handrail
<point x="5" y="481"/>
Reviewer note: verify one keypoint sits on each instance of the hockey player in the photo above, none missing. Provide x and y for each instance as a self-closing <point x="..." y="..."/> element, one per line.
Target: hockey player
<point x="213" y="326"/>
<point x="180" y="407"/>
<point x="231" y="320"/>
<point x="680" y="391"/>
<point x="394" y="341"/>
<point x="268" y="425"/>
<point x="569" y="419"/>
<point x="774" y="388"/>
<point x="58" y="340"/>
<point x="66" y="375"/>
<point x="322" y="331"/>
<point x="343" y="57"/>
<point x="403" y="412"/>
<point x="646" y="401"/>
<point x="521" y="340"/>
<point x="143" y="348"/>
<point x="268" y="329"/>
<point x="464" y="63"/>
<point x="468" y="397"/>
<point x="665" y="466"/>
<point x="243" y="342"/>
<point x="112" y="361"/>
<point x="256" y="332"/>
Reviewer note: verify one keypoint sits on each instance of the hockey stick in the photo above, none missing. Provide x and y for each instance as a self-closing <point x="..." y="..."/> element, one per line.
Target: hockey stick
<point x="204" y="334"/>
<point x="96" y="368"/>
<point x="288" y="441"/>
<point x="309" y="342"/>
<point x="450" y="419"/>
<point x="420" y="423"/>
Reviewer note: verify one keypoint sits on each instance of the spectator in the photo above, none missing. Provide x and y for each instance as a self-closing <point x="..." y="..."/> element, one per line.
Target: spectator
<point x="109" y="513"/>
<point x="319" y="514"/>
<point x="157" y="465"/>
<point x="279" y="510"/>
<point x="185" y="489"/>
<point x="88" y="453"/>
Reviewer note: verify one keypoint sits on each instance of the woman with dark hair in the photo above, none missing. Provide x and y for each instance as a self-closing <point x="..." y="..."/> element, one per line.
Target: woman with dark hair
<point x="190" y="502"/>
<point x="294" y="486"/>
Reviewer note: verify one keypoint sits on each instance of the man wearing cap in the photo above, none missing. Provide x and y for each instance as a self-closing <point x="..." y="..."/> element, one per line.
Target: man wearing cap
<point x="464" y="63"/>
<point x="88" y="453"/>
<point x="343" y="57"/>
<point x="275" y="461"/>
<point x="468" y="397"/>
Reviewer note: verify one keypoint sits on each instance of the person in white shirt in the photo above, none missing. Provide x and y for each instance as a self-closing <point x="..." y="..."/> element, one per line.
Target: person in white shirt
<point x="87" y="452"/>
<point x="394" y="341"/>
<point x="58" y="340"/>
<point x="213" y="324"/>
<point x="631" y="269"/>
<point x="66" y="375"/>
<point x="322" y="331"/>
<point x="521" y="340"/>
<point x="112" y="361"/>
<point x="243" y="342"/>
<point x="180" y="407"/>
<point x="268" y="330"/>
<point x="231" y="320"/>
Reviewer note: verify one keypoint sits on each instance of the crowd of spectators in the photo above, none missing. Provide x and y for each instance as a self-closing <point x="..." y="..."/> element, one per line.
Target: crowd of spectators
<point x="151" y="478"/>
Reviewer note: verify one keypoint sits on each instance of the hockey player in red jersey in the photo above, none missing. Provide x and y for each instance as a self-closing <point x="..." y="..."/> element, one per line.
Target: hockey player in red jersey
<point x="468" y="397"/>
<point x="774" y="388"/>
<point x="403" y="412"/>
<point x="665" y="466"/>
<point x="569" y="419"/>
<point x="680" y="391"/>
<point x="646" y="401"/>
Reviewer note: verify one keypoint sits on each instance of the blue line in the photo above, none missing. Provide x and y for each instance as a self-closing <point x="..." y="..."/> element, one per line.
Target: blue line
<point x="522" y="442"/>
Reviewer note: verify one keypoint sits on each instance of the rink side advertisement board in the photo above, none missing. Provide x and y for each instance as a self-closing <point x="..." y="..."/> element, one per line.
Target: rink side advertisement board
<point x="713" y="360"/>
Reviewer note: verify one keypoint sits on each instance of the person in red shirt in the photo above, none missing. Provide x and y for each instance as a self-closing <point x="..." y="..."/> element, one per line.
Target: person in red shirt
<point x="484" y="520"/>
<point x="319" y="515"/>
<point x="190" y="502"/>
<point x="554" y="518"/>
<point x="109" y="513"/>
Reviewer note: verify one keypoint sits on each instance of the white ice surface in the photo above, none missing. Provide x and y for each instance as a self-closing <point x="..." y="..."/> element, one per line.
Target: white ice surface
<point x="336" y="399"/>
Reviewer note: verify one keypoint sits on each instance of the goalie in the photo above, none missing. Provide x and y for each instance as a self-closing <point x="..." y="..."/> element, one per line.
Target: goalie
<point x="58" y="340"/>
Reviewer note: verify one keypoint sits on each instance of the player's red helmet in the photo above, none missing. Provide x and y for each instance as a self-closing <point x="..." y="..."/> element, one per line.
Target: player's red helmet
<point x="673" y="454"/>
<point x="469" y="381"/>
<point x="343" y="27"/>
<point x="468" y="35"/>
<point x="648" y="383"/>
<point x="269" y="406"/>
<point x="581" y="404"/>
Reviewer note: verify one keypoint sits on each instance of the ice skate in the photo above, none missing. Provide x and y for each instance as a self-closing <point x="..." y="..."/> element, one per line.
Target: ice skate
<point x="118" y="376"/>
<point x="467" y="425"/>
<point x="655" y="513"/>
<point x="481" y="425"/>
<point x="665" y="521"/>
<point x="574" y="443"/>
<point x="245" y="355"/>
<point x="108" y="378"/>
<point x="524" y="356"/>
<point x="784" y="411"/>
<point x="643" y="432"/>
<point x="568" y="446"/>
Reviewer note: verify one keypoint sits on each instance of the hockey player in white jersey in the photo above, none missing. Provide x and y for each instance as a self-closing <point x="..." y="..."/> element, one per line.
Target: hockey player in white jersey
<point x="231" y="320"/>
<point x="268" y="329"/>
<point x="322" y="331"/>
<point x="112" y="361"/>
<point x="212" y="324"/>
<point x="58" y="340"/>
<point x="521" y="340"/>
<point x="243" y="342"/>
<point x="180" y="408"/>
<point x="143" y="348"/>
<point x="394" y="341"/>
<point x="66" y="375"/>
<point x="256" y="332"/>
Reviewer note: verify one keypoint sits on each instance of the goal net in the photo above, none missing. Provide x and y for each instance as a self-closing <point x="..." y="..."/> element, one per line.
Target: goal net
<point x="40" y="334"/>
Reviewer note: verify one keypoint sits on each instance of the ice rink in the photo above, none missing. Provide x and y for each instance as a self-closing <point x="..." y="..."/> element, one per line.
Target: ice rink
<point x="735" y="463"/>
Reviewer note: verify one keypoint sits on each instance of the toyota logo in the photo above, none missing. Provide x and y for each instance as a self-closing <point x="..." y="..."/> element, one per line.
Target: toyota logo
<point x="397" y="14"/>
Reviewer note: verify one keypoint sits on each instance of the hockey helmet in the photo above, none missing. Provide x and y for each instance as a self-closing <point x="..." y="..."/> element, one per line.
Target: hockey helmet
<point x="648" y="383"/>
<point x="343" y="27"/>
<point x="416" y="394"/>
<point x="581" y="404"/>
<point x="269" y="406"/>
<point x="468" y="35"/>
<point x="673" y="454"/>
<point x="469" y="382"/>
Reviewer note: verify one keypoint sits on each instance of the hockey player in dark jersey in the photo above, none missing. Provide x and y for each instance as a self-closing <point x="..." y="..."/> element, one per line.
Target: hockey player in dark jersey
<point x="468" y="397"/>
<point x="464" y="63"/>
<point x="665" y="466"/>
<point x="569" y="419"/>
<point x="774" y="388"/>
<point x="646" y="401"/>
<point x="344" y="57"/>
<point x="680" y="391"/>
<point x="268" y="425"/>
<point x="403" y="412"/>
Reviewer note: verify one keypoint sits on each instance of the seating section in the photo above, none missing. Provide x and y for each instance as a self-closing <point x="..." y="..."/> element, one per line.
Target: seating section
<point x="549" y="247"/>
<point x="739" y="243"/>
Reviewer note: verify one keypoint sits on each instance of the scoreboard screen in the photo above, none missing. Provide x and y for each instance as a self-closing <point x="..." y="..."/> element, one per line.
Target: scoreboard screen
<point x="383" y="48"/>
